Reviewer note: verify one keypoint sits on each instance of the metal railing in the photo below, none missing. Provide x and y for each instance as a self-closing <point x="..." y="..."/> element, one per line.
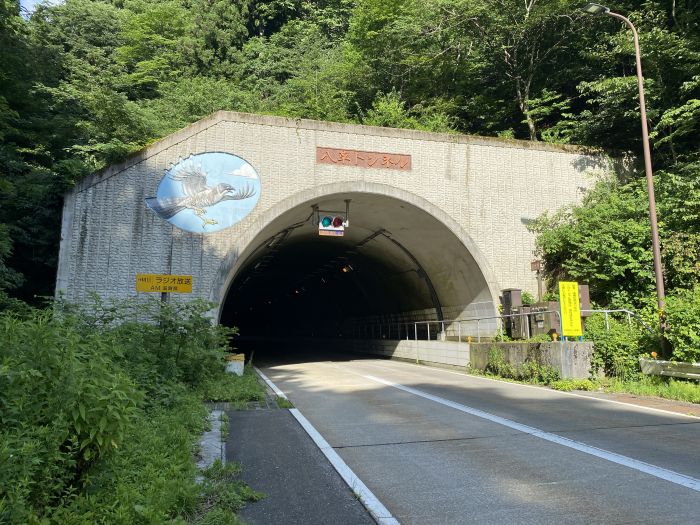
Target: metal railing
<point x="429" y="330"/>
<point x="629" y="314"/>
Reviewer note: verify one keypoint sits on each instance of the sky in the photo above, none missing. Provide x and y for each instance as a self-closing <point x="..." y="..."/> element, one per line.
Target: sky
<point x="29" y="4"/>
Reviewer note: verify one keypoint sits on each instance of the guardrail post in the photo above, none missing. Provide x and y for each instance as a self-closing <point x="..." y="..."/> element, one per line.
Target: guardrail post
<point x="428" y="325"/>
<point x="415" y="330"/>
<point x="527" y="324"/>
<point x="459" y="331"/>
<point x="607" y="323"/>
<point x="629" y="320"/>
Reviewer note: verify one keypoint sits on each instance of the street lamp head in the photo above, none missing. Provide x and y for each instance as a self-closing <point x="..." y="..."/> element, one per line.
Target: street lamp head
<point x="595" y="9"/>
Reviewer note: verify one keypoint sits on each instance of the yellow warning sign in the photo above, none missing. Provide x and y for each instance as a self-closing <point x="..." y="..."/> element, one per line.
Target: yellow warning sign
<point x="151" y="282"/>
<point x="570" y="309"/>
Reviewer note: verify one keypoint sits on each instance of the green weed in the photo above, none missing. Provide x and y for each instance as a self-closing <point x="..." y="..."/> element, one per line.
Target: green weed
<point x="283" y="402"/>
<point x="233" y="388"/>
<point x="101" y="410"/>
<point x="668" y="388"/>
<point x="567" y="385"/>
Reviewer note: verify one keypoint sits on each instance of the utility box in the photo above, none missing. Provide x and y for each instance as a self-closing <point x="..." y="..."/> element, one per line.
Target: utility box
<point x="542" y="322"/>
<point x="520" y="325"/>
<point x="511" y="299"/>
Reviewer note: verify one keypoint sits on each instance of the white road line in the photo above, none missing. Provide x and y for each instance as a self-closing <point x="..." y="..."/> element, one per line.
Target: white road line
<point x="375" y="507"/>
<point x="662" y="473"/>
<point x="541" y="389"/>
<point x="273" y="386"/>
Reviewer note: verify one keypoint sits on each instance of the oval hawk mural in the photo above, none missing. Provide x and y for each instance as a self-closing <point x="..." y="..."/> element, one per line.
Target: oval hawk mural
<point x="207" y="192"/>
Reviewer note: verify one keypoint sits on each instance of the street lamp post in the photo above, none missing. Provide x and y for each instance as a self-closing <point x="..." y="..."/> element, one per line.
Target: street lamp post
<point x="596" y="9"/>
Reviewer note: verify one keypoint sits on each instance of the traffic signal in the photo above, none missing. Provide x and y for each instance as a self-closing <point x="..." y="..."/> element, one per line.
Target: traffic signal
<point x="332" y="225"/>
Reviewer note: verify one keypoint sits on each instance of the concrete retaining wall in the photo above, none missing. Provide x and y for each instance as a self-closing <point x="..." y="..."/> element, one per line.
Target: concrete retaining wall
<point x="571" y="358"/>
<point x="434" y="352"/>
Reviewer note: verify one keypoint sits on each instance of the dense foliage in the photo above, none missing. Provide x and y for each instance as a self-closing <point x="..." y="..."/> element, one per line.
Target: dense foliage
<point x="100" y="412"/>
<point x="85" y="82"/>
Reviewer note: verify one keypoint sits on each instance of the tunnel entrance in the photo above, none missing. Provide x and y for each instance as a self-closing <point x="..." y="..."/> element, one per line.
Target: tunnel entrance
<point x="395" y="263"/>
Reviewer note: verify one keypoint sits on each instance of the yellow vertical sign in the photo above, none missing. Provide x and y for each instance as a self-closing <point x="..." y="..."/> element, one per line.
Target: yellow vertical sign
<point x="570" y="309"/>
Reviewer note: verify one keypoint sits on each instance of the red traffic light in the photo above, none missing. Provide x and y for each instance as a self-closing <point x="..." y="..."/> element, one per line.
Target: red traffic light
<point x="337" y="221"/>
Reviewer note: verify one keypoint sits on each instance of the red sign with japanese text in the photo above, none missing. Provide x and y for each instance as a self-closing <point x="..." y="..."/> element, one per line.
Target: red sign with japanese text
<point x="363" y="159"/>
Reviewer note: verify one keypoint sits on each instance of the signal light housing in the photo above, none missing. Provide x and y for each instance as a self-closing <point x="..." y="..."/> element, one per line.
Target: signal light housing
<point x="332" y="225"/>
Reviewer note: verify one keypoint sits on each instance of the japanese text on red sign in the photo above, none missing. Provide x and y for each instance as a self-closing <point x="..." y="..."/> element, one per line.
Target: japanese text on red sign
<point x="363" y="159"/>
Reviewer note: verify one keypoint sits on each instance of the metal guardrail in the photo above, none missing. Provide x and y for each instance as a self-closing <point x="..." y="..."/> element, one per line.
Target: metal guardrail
<point x="658" y="367"/>
<point x="422" y="329"/>
<point x="630" y="314"/>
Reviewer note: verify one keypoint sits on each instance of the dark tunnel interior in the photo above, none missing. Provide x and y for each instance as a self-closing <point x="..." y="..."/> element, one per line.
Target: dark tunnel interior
<point x="394" y="259"/>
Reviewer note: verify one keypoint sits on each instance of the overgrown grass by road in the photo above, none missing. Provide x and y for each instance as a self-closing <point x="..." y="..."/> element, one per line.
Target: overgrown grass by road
<point x="101" y="410"/>
<point x="668" y="388"/>
<point x="533" y="373"/>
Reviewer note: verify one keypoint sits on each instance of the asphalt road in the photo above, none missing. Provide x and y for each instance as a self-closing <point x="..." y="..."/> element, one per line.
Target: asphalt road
<point x="442" y="447"/>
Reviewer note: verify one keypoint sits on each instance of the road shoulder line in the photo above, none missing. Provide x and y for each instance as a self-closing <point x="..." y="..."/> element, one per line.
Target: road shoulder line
<point x="375" y="507"/>
<point x="541" y="388"/>
<point x="269" y="383"/>
<point x="647" y="468"/>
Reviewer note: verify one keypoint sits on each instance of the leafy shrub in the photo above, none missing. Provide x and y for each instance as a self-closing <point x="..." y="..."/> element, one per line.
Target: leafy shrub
<point x="683" y="324"/>
<point x="617" y="349"/>
<point x="63" y="405"/>
<point x="100" y="410"/>
<point x="527" y="298"/>
<point x="537" y="373"/>
<point x="530" y="370"/>
<point x="498" y="365"/>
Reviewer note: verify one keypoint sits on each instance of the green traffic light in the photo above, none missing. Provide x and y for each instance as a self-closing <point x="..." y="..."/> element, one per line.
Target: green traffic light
<point x="326" y="221"/>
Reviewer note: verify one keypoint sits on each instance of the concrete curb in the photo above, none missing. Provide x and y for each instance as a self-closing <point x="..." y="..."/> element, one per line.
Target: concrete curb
<point x="210" y="444"/>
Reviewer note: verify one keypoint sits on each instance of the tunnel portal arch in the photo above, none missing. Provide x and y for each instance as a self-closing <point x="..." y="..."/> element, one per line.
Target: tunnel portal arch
<point x="404" y="259"/>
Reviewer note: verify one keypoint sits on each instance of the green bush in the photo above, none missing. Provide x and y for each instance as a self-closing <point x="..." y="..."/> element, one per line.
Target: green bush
<point x="498" y="365"/>
<point x="535" y="372"/>
<point x="530" y="370"/>
<point x="63" y="406"/>
<point x="617" y="349"/>
<point x="683" y="324"/>
<point x="101" y="410"/>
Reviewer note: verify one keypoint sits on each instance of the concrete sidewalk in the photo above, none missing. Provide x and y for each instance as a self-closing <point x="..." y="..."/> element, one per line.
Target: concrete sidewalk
<point x="280" y="460"/>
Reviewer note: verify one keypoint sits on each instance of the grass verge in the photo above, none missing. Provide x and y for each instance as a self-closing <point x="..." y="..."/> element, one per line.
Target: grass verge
<point x="667" y="388"/>
<point x="101" y="415"/>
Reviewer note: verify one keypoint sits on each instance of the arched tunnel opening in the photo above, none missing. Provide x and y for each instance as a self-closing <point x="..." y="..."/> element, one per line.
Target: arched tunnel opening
<point x="395" y="264"/>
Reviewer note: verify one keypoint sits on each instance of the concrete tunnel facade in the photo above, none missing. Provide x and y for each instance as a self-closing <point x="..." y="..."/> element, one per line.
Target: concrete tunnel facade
<point x="437" y="223"/>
